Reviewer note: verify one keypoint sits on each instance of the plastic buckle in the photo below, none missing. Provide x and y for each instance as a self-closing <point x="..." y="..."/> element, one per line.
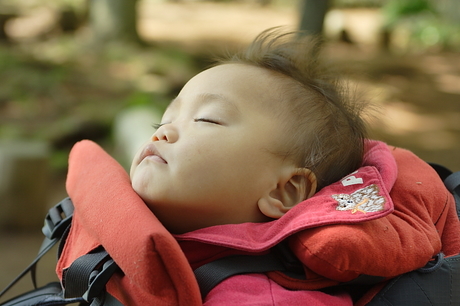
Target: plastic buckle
<point x="58" y="219"/>
<point x="98" y="279"/>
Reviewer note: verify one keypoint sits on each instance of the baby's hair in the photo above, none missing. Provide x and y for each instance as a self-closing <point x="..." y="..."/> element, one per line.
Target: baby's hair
<point x="326" y="127"/>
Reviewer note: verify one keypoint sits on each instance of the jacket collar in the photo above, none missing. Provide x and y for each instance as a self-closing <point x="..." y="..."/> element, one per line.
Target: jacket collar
<point x="361" y="196"/>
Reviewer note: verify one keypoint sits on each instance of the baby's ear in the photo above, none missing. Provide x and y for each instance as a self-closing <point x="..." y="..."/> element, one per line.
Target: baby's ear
<point x="298" y="186"/>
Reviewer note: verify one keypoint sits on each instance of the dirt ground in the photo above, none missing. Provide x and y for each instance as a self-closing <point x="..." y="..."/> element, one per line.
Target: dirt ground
<point x="418" y="95"/>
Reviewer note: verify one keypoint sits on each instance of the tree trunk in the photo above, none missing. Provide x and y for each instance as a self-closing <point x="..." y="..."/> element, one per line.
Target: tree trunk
<point x="113" y="20"/>
<point x="312" y="16"/>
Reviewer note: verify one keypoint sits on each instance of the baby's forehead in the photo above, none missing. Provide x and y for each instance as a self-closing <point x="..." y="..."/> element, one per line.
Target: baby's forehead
<point x="240" y="81"/>
<point x="229" y="83"/>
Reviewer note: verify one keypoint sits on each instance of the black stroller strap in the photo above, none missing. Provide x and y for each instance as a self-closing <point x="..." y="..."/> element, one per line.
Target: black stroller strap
<point x="280" y="258"/>
<point x="436" y="284"/>
<point x="214" y="272"/>
<point x="49" y="295"/>
<point x="87" y="275"/>
<point x="56" y="223"/>
<point x="84" y="281"/>
<point x="452" y="183"/>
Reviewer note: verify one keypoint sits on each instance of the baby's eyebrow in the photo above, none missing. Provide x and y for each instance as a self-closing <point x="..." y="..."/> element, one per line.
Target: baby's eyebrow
<point x="207" y="98"/>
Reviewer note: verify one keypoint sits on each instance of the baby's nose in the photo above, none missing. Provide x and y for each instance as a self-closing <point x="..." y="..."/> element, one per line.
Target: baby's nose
<point x="165" y="133"/>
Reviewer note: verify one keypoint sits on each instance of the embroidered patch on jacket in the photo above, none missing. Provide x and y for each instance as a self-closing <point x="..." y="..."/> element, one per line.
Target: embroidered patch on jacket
<point x="364" y="200"/>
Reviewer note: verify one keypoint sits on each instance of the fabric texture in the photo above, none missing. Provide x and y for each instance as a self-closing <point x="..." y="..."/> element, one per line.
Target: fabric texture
<point x="389" y="217"/>
<point x="109" y="213"/>
<point x="258" y="289"/>
<point x="338" y="246"/>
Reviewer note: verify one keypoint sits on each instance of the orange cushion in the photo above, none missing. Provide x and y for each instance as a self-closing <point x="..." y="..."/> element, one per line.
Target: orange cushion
<point x="397" y="243"/>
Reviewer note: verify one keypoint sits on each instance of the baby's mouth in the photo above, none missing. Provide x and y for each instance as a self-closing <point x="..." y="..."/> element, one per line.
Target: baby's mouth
<point x="156" y="158"/>
<point x="150" y="152"/>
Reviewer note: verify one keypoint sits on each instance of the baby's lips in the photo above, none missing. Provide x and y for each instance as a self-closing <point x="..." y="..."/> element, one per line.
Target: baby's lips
<point x="151" y="151"/>
<point x="156" y="158"/>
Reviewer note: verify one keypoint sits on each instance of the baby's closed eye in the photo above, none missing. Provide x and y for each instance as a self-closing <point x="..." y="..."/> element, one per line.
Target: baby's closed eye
<point x="207" y="120"/>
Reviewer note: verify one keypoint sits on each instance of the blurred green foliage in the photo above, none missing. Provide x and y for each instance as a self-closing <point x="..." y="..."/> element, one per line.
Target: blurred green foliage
<point x="358" y="3"/>
<point x="424" y="23"/>
<point x="56" y="86"/>
<point x="60" y="90"/>
<point x="419" y="25"/>
<point x="395" y="10"/>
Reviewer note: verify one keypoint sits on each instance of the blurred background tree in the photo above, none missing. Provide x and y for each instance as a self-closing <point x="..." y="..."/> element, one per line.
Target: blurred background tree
<point x="312" y="14"/>
<point x="113" y="20"/>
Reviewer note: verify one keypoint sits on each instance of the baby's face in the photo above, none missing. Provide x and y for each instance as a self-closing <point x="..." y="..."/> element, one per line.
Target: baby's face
<point x="212" y="158"/>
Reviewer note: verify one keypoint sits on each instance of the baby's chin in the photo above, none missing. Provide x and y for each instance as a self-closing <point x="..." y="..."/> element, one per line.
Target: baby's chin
<point x="139" y="190"/>
<point x="141" y="183"/>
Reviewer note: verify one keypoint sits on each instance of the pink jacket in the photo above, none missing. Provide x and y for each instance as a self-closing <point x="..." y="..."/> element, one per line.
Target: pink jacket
<point x="393" y="209"/>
